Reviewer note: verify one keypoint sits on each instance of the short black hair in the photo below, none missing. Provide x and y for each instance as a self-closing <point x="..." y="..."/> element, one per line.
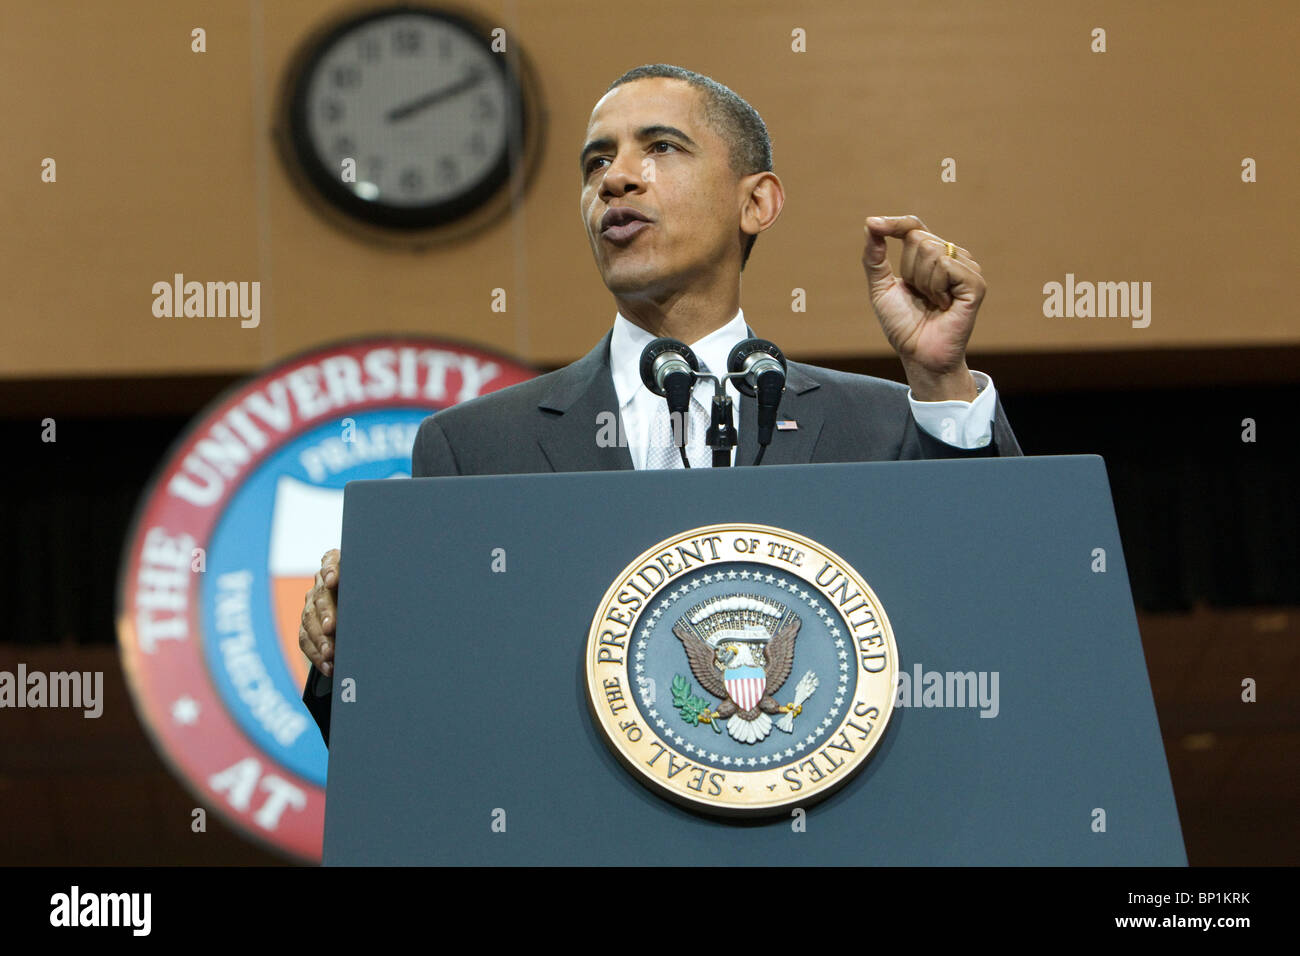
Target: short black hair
<point x="738" y="123"/>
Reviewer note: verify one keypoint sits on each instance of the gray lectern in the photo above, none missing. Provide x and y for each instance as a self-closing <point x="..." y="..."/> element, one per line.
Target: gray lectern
<point x="1022" y="731"/>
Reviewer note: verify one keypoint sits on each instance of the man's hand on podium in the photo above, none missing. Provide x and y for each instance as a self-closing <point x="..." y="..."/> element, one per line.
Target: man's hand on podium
<point x="320" y="615"/>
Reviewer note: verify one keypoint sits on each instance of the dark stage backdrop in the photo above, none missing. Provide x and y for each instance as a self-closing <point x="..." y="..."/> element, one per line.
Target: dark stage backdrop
<point x="1204" y="516"/>
<point x="1208" y="524"/>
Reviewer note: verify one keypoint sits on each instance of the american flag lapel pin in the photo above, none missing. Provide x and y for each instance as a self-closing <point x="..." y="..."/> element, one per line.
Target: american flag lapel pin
<point x="787" y="425"/>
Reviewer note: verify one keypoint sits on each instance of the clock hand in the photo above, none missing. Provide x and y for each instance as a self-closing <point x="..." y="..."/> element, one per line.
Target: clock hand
<point x="430" y="99"/>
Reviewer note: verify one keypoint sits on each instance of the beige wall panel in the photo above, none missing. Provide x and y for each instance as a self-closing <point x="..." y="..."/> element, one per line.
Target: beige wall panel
<point x="1116" y="166"/>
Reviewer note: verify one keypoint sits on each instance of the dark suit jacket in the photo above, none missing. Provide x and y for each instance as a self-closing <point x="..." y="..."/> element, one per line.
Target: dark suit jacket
<point x="551" y="423"/>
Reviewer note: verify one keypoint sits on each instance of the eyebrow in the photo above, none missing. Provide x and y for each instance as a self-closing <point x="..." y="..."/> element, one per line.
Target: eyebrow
<point x="643" y="134"/>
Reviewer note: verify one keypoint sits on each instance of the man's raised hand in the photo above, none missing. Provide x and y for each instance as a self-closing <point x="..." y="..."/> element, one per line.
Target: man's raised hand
<point x="928" y="312"/>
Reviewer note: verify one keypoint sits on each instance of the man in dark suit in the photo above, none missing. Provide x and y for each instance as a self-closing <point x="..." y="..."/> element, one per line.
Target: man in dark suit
<point x="671" y="232"/>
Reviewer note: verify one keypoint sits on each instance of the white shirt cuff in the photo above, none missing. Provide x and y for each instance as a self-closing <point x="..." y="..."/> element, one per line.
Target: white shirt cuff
<point x="957" y="423"/>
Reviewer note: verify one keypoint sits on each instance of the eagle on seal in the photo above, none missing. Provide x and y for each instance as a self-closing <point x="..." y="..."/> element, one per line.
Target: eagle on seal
<point x="741" y="650"/>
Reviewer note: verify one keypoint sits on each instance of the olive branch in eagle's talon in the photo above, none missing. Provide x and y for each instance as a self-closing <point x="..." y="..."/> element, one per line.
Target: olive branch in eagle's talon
<point x="694" y="710"/>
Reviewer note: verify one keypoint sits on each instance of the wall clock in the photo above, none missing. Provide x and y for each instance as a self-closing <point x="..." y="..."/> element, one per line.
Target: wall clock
<point x="438" y="128"/>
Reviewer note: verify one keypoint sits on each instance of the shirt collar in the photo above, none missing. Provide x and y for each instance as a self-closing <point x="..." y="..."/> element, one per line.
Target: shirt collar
<point x="629" y="340"/>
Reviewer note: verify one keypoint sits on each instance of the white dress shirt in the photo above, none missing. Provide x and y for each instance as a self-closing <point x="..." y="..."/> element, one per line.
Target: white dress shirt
<point x="958" y="423"/>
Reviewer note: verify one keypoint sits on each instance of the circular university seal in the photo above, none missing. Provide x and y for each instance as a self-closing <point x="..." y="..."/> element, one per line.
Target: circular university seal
<point x="740" y="669"/>
<point x="227" y="539"/>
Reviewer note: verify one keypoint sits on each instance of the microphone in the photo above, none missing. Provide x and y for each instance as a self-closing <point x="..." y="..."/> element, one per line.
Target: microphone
<point x="759" y="367"/>
<point x="668" y="369"/>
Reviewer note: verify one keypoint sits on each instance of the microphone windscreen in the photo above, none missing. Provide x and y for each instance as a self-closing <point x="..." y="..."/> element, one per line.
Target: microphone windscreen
<point x="740" y="357"/>
<point x="662" y="347"/>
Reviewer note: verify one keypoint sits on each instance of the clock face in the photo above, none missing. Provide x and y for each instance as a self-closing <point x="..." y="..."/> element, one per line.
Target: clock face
<point x="422" y="108"/>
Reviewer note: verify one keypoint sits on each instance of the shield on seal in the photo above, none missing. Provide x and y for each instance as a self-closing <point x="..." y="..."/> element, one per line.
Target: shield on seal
<point x="745" y="685"/>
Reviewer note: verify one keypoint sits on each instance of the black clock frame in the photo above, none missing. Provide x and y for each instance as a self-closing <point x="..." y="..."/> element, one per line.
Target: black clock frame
<point x="300" y="155"/>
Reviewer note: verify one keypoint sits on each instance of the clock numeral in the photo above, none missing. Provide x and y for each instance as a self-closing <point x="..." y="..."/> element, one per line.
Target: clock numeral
<point x="411" y="180"/>
<point x="444" y="46"/>
<point x="448" y="170"/>
<point x="374" y="166"/>
<point x="344" y="146"/>
<point x="369" y="49"/>
<point x="476" y="144"/>
<point x="487" y="110"/>
<point x="406" y="41"/>
<point x="346" y="77"/>
<point x="331" y="110"/>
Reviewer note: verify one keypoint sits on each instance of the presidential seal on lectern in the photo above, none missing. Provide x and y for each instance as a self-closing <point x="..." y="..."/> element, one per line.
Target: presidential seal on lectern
<point x="740" y="669"/>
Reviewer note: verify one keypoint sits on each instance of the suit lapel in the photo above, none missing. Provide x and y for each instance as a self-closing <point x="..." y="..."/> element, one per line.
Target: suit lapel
<point x="576" y="410"/>
<point x="799" y="404"/>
